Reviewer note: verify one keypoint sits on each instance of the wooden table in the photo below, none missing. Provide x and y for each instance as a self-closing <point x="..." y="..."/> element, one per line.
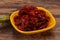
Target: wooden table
<point x="9" y="6"/>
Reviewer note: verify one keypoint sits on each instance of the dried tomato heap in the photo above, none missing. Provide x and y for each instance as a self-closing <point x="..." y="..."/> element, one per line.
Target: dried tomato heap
<point x="30" y="18"/>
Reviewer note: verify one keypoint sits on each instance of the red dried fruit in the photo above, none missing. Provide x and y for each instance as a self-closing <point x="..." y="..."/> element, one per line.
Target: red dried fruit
<point x="30" y="18"/>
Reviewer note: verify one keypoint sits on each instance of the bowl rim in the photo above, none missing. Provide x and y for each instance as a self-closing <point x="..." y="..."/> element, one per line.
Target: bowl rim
<point x="41" y="30"/>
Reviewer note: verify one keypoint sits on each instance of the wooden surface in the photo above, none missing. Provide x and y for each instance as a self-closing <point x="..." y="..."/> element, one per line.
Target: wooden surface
<point x="9" y="6"/>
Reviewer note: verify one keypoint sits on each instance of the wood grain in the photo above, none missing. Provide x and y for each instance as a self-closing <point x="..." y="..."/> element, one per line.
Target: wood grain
<point x="9" y="6"/>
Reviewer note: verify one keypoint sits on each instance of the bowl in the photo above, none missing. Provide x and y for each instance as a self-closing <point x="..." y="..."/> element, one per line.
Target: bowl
<point x="51" y="23"/>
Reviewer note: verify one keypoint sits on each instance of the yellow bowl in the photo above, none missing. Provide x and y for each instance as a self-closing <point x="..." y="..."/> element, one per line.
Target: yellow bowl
<point x="51" y="24"/>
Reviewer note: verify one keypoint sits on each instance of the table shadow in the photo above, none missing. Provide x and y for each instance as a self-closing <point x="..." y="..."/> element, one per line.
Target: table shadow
<point x="43" y="36"/>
